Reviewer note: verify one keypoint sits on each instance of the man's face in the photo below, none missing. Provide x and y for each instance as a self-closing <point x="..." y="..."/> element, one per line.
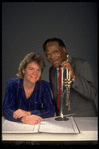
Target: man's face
<point x="55" y="54"/>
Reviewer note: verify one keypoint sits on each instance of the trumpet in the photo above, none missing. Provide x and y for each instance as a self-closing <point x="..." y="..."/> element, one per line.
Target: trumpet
<point x="65" y="88"/>
<point x="66" y="81"/>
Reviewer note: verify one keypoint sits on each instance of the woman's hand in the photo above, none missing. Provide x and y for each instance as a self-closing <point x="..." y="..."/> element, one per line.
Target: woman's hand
<point x="20" y="113"/>
<point x="32" y="119"/>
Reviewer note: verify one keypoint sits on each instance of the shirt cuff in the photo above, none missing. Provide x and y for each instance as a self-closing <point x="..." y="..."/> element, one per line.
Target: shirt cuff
<point x="35" y="112"/>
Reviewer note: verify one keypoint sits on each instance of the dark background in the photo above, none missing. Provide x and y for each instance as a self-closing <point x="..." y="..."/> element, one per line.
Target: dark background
<point x="26" y="25"/>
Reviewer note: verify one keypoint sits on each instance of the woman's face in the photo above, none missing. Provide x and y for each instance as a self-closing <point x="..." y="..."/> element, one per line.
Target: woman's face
<point x="32" y="72"/>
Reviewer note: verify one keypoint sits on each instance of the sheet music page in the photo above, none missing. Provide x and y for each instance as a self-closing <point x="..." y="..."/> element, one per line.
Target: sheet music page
<point x="18" y="127"/>
<point x="48" y="126"/>
<point x="36" y="127"/>
<point x="53" y="126"/>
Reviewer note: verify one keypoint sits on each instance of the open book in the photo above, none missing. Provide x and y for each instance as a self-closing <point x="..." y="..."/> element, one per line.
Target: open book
<point x="46" y="126"/>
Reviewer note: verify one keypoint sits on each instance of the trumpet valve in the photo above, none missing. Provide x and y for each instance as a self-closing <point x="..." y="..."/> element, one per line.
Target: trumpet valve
<point x="65" y="82"/>
<point x="69" y="108"/>
<point x="66" y="103"/>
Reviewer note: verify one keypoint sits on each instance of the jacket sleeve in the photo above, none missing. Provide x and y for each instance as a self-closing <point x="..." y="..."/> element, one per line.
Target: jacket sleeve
<point x="48" y="109"/>
<point x="47" y="106"/>
<point x="84" y="82"/>
<point x="9" y="102"/>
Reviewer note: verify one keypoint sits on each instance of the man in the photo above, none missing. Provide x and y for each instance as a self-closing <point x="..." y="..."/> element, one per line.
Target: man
<point x="82" y="91"/>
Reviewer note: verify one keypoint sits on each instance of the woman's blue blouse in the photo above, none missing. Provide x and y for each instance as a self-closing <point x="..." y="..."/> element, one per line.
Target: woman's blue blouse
<point x="39" y="103"/>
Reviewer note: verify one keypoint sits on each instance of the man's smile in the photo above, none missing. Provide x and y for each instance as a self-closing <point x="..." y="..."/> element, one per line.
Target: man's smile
<point x="55" y="60"/>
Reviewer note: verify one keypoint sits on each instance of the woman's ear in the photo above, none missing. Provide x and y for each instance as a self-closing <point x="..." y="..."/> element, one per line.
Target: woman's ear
<point x="23" y="71"/>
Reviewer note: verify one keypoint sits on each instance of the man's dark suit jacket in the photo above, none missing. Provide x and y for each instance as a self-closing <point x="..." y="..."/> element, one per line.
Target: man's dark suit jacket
<point x="82" y="91"/>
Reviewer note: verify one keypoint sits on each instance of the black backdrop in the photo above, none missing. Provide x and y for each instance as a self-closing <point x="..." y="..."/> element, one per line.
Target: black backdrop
<point x="26" y="25"/>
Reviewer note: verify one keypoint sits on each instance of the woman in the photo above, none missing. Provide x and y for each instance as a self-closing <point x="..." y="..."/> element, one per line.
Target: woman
<point x="28" y="98"/>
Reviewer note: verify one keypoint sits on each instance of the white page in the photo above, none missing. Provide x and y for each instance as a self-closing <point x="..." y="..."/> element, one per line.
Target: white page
<point x="36" y="127"/>
<point x="50" y="126"/>
<point x="53" y="126"/>
<point x="18" y="127"/>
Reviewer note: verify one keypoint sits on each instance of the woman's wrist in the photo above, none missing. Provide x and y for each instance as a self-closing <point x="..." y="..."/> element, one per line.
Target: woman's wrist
<point x="29" y="113"/>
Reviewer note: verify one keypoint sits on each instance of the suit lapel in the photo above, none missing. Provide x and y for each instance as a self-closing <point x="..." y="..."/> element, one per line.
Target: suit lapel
<point x="53" y="81"/>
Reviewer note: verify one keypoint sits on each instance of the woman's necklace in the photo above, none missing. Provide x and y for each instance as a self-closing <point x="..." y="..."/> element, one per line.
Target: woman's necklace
<point x="28" y="92"/>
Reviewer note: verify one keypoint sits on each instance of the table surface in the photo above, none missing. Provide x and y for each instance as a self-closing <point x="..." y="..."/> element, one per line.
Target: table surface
<point x="88" y="127"/>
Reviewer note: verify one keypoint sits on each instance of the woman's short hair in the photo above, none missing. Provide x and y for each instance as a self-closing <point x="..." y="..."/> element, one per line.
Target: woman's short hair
<point x="32" y="57"/>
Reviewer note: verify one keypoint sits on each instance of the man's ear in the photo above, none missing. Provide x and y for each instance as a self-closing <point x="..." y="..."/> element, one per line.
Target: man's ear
<point x="64" y="49"/>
